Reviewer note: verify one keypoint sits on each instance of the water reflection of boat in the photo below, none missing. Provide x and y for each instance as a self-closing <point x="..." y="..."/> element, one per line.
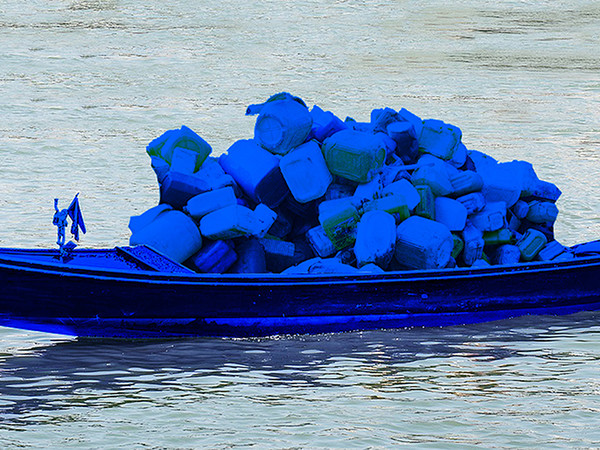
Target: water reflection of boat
<point x="55" y="376"/>
<point x="135" y="293"/>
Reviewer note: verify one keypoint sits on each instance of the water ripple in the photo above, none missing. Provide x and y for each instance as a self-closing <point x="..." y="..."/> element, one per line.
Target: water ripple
<point x="86" y="84"/>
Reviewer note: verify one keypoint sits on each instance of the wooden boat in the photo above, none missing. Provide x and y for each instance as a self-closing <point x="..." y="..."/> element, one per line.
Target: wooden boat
<point x="135" y="292"/>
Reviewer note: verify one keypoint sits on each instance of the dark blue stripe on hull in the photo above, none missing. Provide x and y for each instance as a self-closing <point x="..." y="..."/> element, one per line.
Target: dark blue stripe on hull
<point x="266" y="326"/>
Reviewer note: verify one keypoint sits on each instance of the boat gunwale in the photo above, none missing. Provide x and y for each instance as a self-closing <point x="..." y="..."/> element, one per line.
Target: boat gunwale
<point x="155" y="277"/>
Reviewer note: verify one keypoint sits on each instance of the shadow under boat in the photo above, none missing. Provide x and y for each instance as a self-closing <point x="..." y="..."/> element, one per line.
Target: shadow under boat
<point x="71" y="373"/>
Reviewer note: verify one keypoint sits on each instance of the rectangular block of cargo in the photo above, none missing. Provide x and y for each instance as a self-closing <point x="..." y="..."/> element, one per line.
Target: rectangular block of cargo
<point x="545" y="190"/>
<point x="466" y="182"/>
<point x="320" y="242"/>
<point x="435" y="176"/>
<point x="184" y="138"/>
<point x="136" y="223"/>
<point x="474" y="243"/>
<point x="513" y="222"/>
<point x="393" y="204"/>
<point x="458" y="247"/>
<point x="354" y="155"/>
<point x="228" y="223"/>
<point x="375" y="239"/>
<point x="426" y="206"/>
<point x="405" y="189"/>
<point x="282" y="125"/>
<point x="459" y="158"/>
<point x="250" y="257"/>
<point x="474" y="202"/>
<point x="499" y="186"/>
<point x="325" y="123"/>
<point x="439" y="139"/>
<point x="551" y="250"/>
<point x="214" y="257"/>
<point x="382" y="117"/>
<point x="542" y="212"/>
<point x="256" y="171"/>
<point x="207" y="202"/>
<point x="214" y="175"/>
<point x="305" y="172"/>
<point x="404" y="135"/>
<point x="451" y="213"/>
<point x="172" y="233"/>
<point x="423" y="244"/>
<point x="178" y="188"/>
<point x="499" y="237"/>
<point x="415" y="120"/>
<point x="520" y="209"/>
<point x="507" y="254"/>
<point x="317" y="266"/>
<point x="368" y="191"/>
<point x="302" y="249"/>
<point x="185" y="160"/>
<point x="391" y="172"/>
<point x="336" y="191"/>
<point x="279" y="255"/>
<point x="265" y="217"/>
<point x="282" y="226"/>
<point x="339" y="219"/>
<point x="491" y="218"/>
<point x="531" y="243"/>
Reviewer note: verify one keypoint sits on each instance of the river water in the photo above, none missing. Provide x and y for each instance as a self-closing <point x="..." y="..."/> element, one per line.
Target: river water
<point x="86" y="84"/>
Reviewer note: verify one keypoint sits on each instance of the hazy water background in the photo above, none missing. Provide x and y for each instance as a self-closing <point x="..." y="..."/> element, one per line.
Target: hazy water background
<point x="85" y="85"/>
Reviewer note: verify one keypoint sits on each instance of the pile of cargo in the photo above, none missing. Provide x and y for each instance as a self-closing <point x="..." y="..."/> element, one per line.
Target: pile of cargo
<point x="314" y="194"/>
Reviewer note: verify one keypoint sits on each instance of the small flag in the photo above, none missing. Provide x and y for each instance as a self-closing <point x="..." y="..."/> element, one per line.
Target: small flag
<point x="74" y="212"/>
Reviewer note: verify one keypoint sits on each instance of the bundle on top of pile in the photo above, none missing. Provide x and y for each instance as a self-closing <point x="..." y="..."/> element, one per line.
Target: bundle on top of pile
<point x="314" y="194"/>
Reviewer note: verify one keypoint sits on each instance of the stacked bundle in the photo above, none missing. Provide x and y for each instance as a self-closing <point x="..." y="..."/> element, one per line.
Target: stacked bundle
<point x="314" y="194"/>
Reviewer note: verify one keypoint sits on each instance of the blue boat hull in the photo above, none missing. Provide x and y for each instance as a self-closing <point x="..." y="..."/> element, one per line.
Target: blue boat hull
<point x="95" y="294"/>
